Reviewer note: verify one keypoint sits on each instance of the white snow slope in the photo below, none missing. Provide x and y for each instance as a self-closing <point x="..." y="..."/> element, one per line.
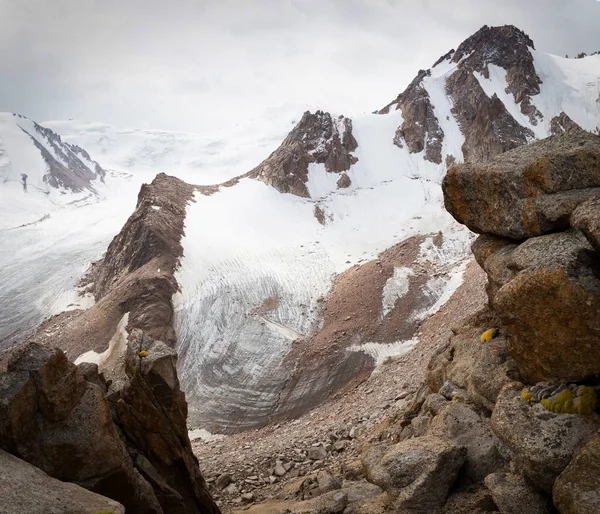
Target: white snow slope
<point x="208" y="158"/>
<point x="19" y="156"/>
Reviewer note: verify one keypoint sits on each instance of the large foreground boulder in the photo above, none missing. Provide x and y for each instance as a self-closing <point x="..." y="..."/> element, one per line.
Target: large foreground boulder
<point x="577" y="489"/>
<point x="28" y="490"/>
<point x="466" y="428"/>
<point x="416" y="473"/>
<point x="547" y="293"/>
<point x="53" y="417"/>
<point x="542" y="443"/>
<point x="528" y="191"/>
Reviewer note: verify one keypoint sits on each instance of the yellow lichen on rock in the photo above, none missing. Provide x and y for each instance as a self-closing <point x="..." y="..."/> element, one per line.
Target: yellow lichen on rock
<point x="562" y="403"/>
<point x="527" y="396"/>
<point x="143" y="353"/>
<point x="562" y="398"/>
<point x="585" y="403"/>
<point x="488" y="335"/>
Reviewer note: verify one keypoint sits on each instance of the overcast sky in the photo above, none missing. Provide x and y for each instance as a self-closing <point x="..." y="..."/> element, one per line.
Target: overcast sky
<point x="193" y="65"/>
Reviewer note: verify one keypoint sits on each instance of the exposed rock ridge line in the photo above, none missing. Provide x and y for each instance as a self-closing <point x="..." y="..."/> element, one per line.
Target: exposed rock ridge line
<point x="68" y="166"/>
<point x="486" y="124"/>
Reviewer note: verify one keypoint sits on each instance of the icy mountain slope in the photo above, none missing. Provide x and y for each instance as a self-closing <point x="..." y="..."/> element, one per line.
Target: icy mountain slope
<point x="50" y="236"/>
<point x="493" y="93"/>
<point x="40" y="172"/>
<point x="266" y="246"/>
<point x="243" y="362"/>
<point x="207" y="158"/>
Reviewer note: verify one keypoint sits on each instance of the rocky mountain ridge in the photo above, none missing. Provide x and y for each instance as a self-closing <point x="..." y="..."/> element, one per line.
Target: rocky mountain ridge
<point x="169" y="276"/>
<point x="67" y="166"/>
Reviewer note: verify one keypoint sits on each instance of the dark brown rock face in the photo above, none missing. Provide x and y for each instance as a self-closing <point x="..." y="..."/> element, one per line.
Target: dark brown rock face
<point x="506" y="47"/>
<point x="153" y="231"/>
<point x="55" y="419"/>
<point x="135" y="276"/>
<point x="526" y="192"/>
<point x="69" y="166"/>
<point x="421" y="129"/>
<point x="317" y="138"/>
<point x="562" y="123"/>
<point x="488" y="127"/>
<point x="151" y="413"/>
<point x="547" y="293"/>
<point x="485" y="122"/>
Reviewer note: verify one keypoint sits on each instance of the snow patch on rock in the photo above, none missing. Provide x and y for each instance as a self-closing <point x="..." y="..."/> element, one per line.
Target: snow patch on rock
<point x="395" y="288"/>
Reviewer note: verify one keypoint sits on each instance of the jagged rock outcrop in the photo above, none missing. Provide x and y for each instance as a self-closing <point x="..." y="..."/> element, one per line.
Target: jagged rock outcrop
<point x="27" y="489"/>
<point x="317" y="138"/>
<point x="54" y="418"/>
<point x="562" y="123"/>
<point x="526" y="192"/>
<point x="149" y="241"/>
<point x="135" y="277"/>
<point x="420" y="130"/>
<point x="150" y="411"/>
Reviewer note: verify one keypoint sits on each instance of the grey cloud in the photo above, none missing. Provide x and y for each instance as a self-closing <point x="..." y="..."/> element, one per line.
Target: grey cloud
<point x="194" y="65"/>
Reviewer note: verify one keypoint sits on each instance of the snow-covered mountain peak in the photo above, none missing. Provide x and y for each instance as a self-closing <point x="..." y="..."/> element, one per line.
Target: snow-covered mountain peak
<point x="39" y="171"/>
<point x="318" y="138"/>
<point x="36" y="157"/>
<point x="493" y="93"/>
